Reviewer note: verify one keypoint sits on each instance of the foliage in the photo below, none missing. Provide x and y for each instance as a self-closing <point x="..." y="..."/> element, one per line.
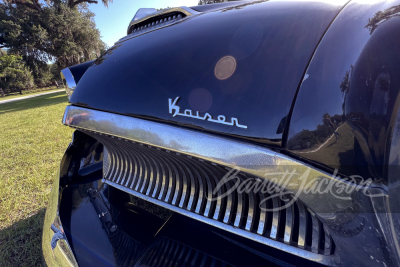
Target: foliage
<point x="382" y="16"/>
<point x="38" y="6"/>
<point x="14" y="74"/>
<point x="307" y="139"/>
<point x="60" y="33"/>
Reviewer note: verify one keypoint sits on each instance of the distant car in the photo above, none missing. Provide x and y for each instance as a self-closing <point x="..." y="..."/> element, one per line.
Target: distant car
<point x="246" y="133"/>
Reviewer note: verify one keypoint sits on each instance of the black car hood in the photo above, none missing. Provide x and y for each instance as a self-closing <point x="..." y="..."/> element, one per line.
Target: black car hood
<point x="234" y="71"/>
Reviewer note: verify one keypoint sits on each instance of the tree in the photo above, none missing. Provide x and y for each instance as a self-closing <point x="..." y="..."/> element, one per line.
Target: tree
<point x="36" y="5"/>
<point x="62" y="31"/>
<point x="14" y="75"/>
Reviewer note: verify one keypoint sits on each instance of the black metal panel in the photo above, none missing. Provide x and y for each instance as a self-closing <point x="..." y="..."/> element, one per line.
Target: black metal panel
<point x="80" y="69"/>
<point x="342" y="115"/>
<point x="271" y="44"/>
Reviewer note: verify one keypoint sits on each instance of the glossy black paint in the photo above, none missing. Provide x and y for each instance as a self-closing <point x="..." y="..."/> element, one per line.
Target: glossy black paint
<point x="342" y="114"/>
<point x="80" y="69"/>
<point x="272" y="43"/>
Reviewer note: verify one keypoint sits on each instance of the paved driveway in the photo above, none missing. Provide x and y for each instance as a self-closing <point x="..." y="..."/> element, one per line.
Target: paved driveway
<point x="29" y="96"/>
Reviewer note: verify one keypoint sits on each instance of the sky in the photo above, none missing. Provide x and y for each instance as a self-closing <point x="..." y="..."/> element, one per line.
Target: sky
<point x="114" y="20"/>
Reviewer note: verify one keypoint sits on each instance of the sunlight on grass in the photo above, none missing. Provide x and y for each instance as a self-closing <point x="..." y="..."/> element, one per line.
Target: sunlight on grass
<point x="32" y="142"/>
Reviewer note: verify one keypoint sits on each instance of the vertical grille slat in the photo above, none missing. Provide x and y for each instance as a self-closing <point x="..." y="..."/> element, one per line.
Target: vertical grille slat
<point x="161" y="180"/>
<point x="138" y="170"/>
<point x="172" y="184"/>
<point x="131" y="166"/>
<point x="315" y="234"/>
<point x="131" y="179"/>
<point x="114" y="165"/>
<point x="239" y="210"/>
<point x="180" y="257"/>
<point x="195" y="187"/>
<point x="154" y="177"/>
<point x="150" y="173"/>
<point x="302" y="226"/>
<point x="163" y="254"/>
<point x="289" y="224"/>
<point x="179" y="183"/>
<point x="156" y="257"/>
<point x="187" y="256"/>
<point x="263" y="215"/>
<point x="119" y="166"/>
<point x="250" y="214"/>
<point x="275" y="218"/>
<point x="170" y="253"/>
<point x="328" y="241"/>
<point x="208" y="192"/>
<point x="106" y="160"/>
<point x="229" y="204"/>
<point x="167" y="179"/>
<point x="127" y="162"/>
<point x="196" y="255"/>
<point x="174" y="255"/>
<point x="143" y="173"/>
<point x="188" y="183"/>
<point x="219" y="199"/>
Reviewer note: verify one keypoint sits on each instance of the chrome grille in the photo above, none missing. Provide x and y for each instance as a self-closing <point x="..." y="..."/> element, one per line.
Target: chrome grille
<point x="167" y="252"/>
<point x="185" y="184"/>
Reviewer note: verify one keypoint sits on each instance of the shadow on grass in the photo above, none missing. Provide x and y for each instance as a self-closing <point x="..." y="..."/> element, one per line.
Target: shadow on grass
<point x="36" y="102"/>
<point x="21" y="243"/>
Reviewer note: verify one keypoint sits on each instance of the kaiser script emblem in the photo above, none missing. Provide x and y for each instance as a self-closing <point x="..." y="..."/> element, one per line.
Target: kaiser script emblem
<point x="175" y="111"/>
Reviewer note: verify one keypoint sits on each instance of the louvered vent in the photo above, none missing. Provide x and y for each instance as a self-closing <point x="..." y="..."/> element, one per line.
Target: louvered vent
<point x="156" y="22"/>
<point x="167" y="252"/>
<point x="188" y="183"/>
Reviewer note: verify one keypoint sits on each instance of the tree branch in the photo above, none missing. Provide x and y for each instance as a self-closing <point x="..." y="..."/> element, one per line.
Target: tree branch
<point x="72" y="4"/>
<point x="32" y="5"/>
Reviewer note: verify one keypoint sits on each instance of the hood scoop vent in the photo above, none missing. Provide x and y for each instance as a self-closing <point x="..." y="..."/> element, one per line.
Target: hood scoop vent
<point x="156" y="22"/>
<point x="147" y="20"/>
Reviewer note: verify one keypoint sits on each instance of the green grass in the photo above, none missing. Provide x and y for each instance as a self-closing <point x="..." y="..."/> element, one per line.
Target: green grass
<point x="32" y="142"/>
<point x="31" y="92"/>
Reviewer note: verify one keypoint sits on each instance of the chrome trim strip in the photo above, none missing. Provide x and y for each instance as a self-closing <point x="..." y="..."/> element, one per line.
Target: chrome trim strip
<point x="255" y="237"/>
<point x="68" y="81"/>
